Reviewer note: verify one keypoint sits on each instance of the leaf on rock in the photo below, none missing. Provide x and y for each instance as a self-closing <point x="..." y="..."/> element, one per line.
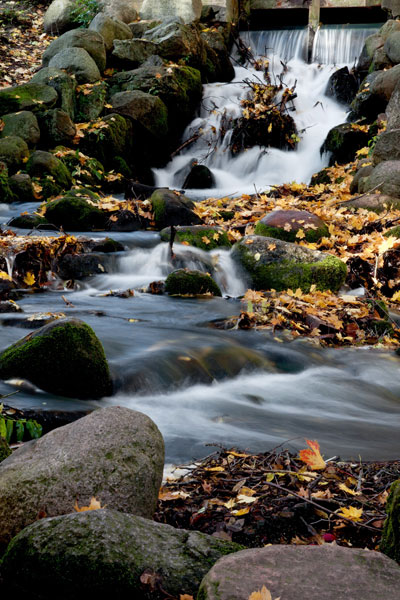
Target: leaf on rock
<point x="94" y="505"/>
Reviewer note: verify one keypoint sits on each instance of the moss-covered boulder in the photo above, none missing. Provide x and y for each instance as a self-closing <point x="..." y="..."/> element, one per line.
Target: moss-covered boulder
<point x="84" y="169"/>
<point x="219" y="66"/>
<point x="292" y="226"/>
<point x="27" y="221"/>
<point x="13" y="151"/>
<point x="390" y="543"/>
<point x="4" y="449"/>
<point x="105" y="552"/>
<point x="6" y="193"/>
<point x="275" y="264"/>
<point x="90" y="101"/>
<point x="144" y="108"/>
<point x="64" y="358"/>
<point x="191" y="283"/>
<point x="24" y="124"/>
<point x="52" y="175"/>
<point x="110" y="140"/>
<point x="56" y="127"/>
<point x="75" y="213"/>
<point x="172" y="208"/>
<point x="63" y="84"/>
<point x="22" y="188"/>
<point x="77" y="62"/>
<point x="110" y="30"/>
<point x="200" y="236"/>
<point x="342" y="142"/>
<point x="88" y="39"/>
<point x="29" y="96"/>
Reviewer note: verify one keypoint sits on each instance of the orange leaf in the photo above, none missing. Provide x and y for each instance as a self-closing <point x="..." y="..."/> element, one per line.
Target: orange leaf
<point x="94" y="505"/>
<point x="312" y="457"/>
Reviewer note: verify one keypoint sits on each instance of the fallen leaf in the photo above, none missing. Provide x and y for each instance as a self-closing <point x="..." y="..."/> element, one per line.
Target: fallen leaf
<point x="94" y="505"/>
<point x="312" y="457"/>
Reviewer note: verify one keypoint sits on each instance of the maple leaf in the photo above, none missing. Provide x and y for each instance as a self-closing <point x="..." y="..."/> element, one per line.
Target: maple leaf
<point x="346" y="489"/>
<point x="4" y="275"/>
<point x="312" y="457"/>
<point x="263" y="594"/>
<point x="29" y="278"/>
<point x="94" y="505"/>
<point x="352" y="513"/>
<point x="205" y="239"/>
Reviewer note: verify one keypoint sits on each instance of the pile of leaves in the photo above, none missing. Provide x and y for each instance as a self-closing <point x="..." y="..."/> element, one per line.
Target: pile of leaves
<point x="22" y="41"/>
<point x="281" y="498"/>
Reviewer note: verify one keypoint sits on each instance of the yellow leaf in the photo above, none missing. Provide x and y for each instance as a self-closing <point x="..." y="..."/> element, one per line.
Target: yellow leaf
<point x="216" y="236"/>
<point x="396" y="297"/>
<point x="246" y="499"/>
<point x="269" y="128"/>
<point x="205" y="239"/>
<point x="217" y="469"/>
<point x="352" y="513"/>
<point x="232" y="453"/>
<point x="257" y="256"/>
<point x="230" y="504"/>
<point x="312" y="457"/>
<point x="94" y="505"/>
<point x="387" y="244"/>
<point x="29" y="278"/>
<point x="270" y="476"/>
<point x="4" y="275"/>
<point x="263" y="594"/>
<point x="300" y="234"/>
<point x="241" y="512"/>
<point x="346" y="489"/>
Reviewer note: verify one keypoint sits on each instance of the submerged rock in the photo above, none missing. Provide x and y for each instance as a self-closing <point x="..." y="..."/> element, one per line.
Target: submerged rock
<point x="286" y="224"/>
<point x="64" y="358"/>
<point x="191" y="283"/>
<point x="200" y="236"/>
<point x="342" y="86"/>
<point x="327" y="572"/>
<point x="105" y="552"/>
<point x="275" y="264"/>
<point x="114" y="454"/>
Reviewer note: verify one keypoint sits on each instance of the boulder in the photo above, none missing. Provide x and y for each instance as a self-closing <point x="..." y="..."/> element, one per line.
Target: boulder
<point x="146" y="109"/>
<point x="28" y="96"/>
<point x="77" y="62"/>
<point x="364" y="169"/>
<point x="386" y="178"/>
<point x="200" y="236"/>
<point x="183" y="282"/>
<point x="56" y="127"/>
<point x="327" y="572"/>
<point x="6" y="193"/>
<point x="90" y="101"/>
<point x="64" y="358"/>
<point x="342" y="142"/>
<point x="105" y="552"/>
<point x="4" y="447"/>
<point x="13" y="152"/>
<point x="88" y="39"/>
<point x="385" y="81"/>
<point x="21" y="187"/>
<point x="375" y="202"/>
<point x="51" y="172"/>
<point x="110" y="30"/>
<point x="63" y="84"/>
<point x="85" y="169"/>
<point x="187" y="10"/>
<point x="28" y="221"/>
<point x="194" y="176"/>
<point x="24" y="124"/>
<point x="392" y="7"/>
<point x="113" y="140"/>
<point x="380" y="60"/>
<point x="121" y="10"/>
<point x="286" y="225"/>
<point x="279" y="265"/>
<point x="140" y="27"/>
<point x="80" y="266"/>
<point x="389" y="27"/>
<point x="219" y="66"/>
<point x="171" y="208"/>
<point x="74" y="214"/>
<point x="124" y="220"/>
<point x="129" y="54"/>
<point x="367" y="105"/>
<point x="387" y="147"/>
<point x="114" y="454"/>
<point x="342" y="85"/>
<point x="57" y="18"/>
<point x="392" y="47"/>
<point x="393" y="109"/>
<point x="371" y="44"/>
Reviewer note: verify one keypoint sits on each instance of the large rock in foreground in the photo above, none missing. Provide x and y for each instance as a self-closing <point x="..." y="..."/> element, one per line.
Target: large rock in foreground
<point x="104" y="553"/>
<point x="390" y="543"/>
<point x="64" y="357"/>
<point x="114" y="454"/>
<point x="326" y="572"/>
<point x="275" y="264"/>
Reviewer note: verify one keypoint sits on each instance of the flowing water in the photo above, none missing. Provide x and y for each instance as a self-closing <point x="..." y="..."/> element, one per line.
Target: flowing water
<point x="204" y="385"/>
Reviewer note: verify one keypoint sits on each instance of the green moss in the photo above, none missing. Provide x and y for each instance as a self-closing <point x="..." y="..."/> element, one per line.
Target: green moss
<point x="121" y="166"/>
<point x="75" y="214"/>
<point x="394" y="232"/>
<point x="191" y="283"/>
<point x="64" y="358"/>
<point x="311" y="235"/>
<point x="6" y="195"/>
<point x="328" y="274"/>
<point x="158" y="206"/>
<point x="28" y="221"/>
<point x="194" y="236"/>
<point x="29" y="96"/>
<point x="390" y="543"/>
<point x="4" y="449"/>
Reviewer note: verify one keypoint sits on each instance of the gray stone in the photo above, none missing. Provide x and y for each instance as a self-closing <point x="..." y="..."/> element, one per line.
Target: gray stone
<point x="63" y="84"/>
<point x="13" y="151"/>
<point x="187" y="10"/>
<point x="386" y="178"/>
<point x="364" y="169"/>
<point x="89" y="40"/>
<point x="392" y="47"/>
<point x="393" y="109"/>
<point x="24" y="124"/>
<point x="78" y="62"/>
<point x="387" y="146"/>
<point x="392" y="7"/>
<point x="110" y="30"/>
<point x="140" y="27"/>
<point x="122" y="10"/>
<point x="367" y="104"/>
<point x="90" y="105"/>
<point x="374" y="202"/>
<point x="371" y="44"/>
<point x="133" y="53"/>
<point x="327" y="572"/>
<point x="56" y="127"/>
<point x="389" y="27"/>
<point x="104" y="553"/>
<point x="28" y="96"/>
<point x="57" y="18"/>
<point x="114" y="454"/>
<point x="385" y="82"/>
<point x="144" y="108"/>
<point x="80" y="266"/>
<point x="218" y="55"/>
<point x="21" y="187"/>
<point x="380" y="60"/>
<point x="343" y="142"/>
<point x="172" y="208"/>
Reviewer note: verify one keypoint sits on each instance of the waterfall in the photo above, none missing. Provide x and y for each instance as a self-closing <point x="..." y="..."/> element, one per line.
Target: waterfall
<point x="314" y="113"/>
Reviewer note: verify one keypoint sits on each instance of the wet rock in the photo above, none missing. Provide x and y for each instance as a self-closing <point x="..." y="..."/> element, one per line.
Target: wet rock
<point x="29" y="221"/>
<point x="279" y="265"/>
<point x="367" y="105"/>
<point x="342" y="86"/>
<point x="122" y="547"/>
<point x="256" y="131"/>
<point x="24" y="124"/>
<point x="77" y="62"/>
<point x="172" y="208"/>
<point x="90" y="106"/>
<point x="80" y="266"/>
<point x="110" y="30"/>
<point x="375" y="202"/>
<point x="62" y="83"/>
<point x="74" y="213"/>
<point x="371" y="44"/>
<point x="327" y="572"/>
<point x="190" y="283"/>
<point x="64" y="358"/>
<point x="200" y="236"/>
<point x="9" y="306"/>
<point x="342" y="142"/>
<point x="29" y="96"/>
<point x="86" y="39"/>
<point x="115" y="454"/>
<point x="53" y="175"/>
<point x="386" y="178"/>
<point x="200" y="177"/>
<point x="56" y="127"/>
<point x="147" y="110"/>
<point x="107" y="245"/>
<point x="219" y="66"/>
<point x="323" y="176"/>
<point x="124" y="220"/>
<point x="285" y="225"/>
<point x="13" y="152"/>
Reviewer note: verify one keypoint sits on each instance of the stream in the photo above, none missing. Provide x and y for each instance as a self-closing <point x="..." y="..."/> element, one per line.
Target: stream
<point x="238" y="388"/>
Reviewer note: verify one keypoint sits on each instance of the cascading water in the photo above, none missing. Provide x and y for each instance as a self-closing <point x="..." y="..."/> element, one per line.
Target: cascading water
<point x="315" y="114"/>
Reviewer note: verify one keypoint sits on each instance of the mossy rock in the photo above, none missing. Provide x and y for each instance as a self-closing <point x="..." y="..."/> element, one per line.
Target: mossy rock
<point x="83" y="192"/>
<point x="194" y="236"/>
<point x="390" y="543"/>
<point x="84" y="169"/>
<point x="13" y="151"/>
<point x="191" y="283"/>
<point x="108" y="245"/>
<point x="322" y="177"/>
<point x="6" y="193"/>
<point x="24" y="124"/>
<point x="4" y="449"/>
<point x="106" y="142"/>
<point x="90" y="101"/>
<point x="56" y="127"/>
<point x="277" y="223"/>
<point x="21" y="187"/>
<point x="51" y="173"/>
<point x="275" y="264"/>
<point x="171" y="208"/>
<point x="29" y="96"/>
<point x="64" y="357"/>
<point x="27" y="221"/>
<point x="63" y="84"/>
<point x="74" y="214"/>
